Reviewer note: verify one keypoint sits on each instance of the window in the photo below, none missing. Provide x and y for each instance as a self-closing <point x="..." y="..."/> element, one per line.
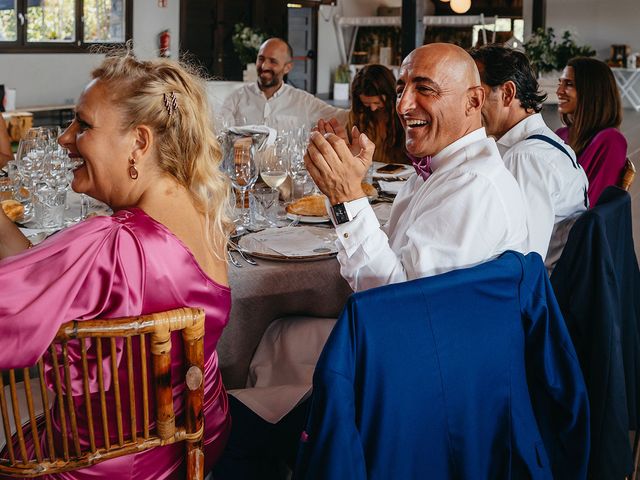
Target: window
<point x="63" y="25"/>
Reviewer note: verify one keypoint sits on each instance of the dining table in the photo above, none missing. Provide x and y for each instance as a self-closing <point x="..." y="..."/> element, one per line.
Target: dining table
<point x="274" y="289"/>
<point x="270" y="290"/>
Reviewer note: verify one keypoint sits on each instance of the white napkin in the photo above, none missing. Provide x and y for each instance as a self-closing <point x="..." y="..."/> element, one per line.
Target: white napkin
<point x="390" y="187"/>
<point x="268" y="134"/>
<point x="291" y="241"/>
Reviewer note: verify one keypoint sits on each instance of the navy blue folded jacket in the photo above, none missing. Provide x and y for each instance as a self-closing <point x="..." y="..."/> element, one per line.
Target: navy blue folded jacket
<point x="466" y="375"/>
<point x="597" y="284"/>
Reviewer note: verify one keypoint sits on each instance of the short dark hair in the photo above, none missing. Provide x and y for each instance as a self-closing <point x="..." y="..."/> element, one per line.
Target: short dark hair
<point x="502" y="64"/>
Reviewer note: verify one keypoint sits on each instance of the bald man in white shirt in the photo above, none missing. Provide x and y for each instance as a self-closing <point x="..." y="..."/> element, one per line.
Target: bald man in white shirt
<point x="461" y="208"/>
<point x="270" y="101"/>
<point x="553" y="183"/>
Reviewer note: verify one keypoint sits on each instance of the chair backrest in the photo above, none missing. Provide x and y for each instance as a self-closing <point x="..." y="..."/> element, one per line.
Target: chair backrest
<point x="596" y="282"/>
<point x="482" y="363"/>
<point x="628" y="175"/>
<point x="101" y="344"/>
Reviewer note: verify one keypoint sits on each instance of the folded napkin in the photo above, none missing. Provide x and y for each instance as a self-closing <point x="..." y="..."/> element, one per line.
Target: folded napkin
<point x="263" y="135"/>
<point x="390" y="187"/>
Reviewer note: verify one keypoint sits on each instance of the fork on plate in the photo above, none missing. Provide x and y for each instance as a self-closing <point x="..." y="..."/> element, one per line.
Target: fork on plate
<point x="244" y="255"/>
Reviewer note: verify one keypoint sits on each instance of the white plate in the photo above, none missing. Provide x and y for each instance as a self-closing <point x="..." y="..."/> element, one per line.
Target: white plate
<point x="405" y="172"/>
<point x="303" y="243"/>
<point x="307" y="218"/>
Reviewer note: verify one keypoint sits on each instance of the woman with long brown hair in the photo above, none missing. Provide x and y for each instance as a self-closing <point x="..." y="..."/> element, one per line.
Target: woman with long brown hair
<point x="373" y="111"/>
<point x="590" y="106"/>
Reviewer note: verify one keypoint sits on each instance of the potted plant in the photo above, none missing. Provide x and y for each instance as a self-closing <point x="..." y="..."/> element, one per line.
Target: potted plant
<point x="246" y="43"/>
<point x="548" y="55"/>
<point x="341" y="78"/>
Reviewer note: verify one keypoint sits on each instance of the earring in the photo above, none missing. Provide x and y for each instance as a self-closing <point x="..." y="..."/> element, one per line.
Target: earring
<point x="133" y="171"/>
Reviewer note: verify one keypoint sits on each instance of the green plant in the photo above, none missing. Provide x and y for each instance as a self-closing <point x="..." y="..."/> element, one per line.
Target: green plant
<point x="342" y="74"/>
<point x="246" y="42"/>
<point x="547" y="54"/>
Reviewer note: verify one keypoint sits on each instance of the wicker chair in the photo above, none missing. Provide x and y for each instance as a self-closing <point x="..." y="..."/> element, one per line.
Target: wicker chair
<point x="628" y="175"/>
<point x="135" y="336"/>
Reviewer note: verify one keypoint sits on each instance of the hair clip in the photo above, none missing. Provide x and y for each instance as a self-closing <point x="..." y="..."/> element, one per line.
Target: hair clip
<point x="170" y="102"/>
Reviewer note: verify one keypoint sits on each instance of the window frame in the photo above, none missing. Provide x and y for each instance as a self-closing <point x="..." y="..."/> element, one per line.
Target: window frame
<point x="78" y="46"/>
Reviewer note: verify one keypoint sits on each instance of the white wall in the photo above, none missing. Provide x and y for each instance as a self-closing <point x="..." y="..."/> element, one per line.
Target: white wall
<point x="597" y="23"/>
<point x="55" y="79"/>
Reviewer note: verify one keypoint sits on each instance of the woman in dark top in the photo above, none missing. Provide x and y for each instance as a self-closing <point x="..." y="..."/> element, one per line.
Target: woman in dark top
<point x="590" y="106"/>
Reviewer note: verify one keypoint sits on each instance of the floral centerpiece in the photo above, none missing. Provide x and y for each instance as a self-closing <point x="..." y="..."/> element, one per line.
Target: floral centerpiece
<point x="246" y="42"/>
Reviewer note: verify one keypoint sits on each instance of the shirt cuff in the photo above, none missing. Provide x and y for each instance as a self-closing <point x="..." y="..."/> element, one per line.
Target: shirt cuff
<point x="352" y="235"/>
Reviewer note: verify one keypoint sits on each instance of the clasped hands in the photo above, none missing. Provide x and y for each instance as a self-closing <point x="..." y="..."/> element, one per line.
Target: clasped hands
<point x="336" y="165"/>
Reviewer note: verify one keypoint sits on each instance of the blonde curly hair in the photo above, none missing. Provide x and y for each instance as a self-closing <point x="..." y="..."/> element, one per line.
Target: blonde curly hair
<point x="169" y="97"/>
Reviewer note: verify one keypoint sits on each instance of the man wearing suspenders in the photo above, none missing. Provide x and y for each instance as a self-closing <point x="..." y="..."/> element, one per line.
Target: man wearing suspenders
<point x="554" y="185"/>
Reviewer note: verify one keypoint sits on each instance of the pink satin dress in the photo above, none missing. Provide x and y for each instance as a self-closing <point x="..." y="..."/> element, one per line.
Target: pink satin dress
<point x="108" y="267"/>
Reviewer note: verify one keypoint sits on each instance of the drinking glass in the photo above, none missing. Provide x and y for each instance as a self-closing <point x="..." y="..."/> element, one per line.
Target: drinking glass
<point x="241" y="168"/>
<point x="266" y="198"/>
<point x="274" y="167"/>
<point x="49" y="206"/>
<point x="29" y="169"/>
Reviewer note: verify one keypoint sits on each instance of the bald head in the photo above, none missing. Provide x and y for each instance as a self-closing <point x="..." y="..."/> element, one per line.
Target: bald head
<point x="448" y="61"/>
<point x="439" y="97"/>
<point x="273" y="63"/>
<point x="279" y="45"/>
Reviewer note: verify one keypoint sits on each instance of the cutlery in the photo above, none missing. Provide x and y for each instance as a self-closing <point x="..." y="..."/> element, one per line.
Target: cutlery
<point x="233" y="260"/>
<point x="245" y="256"/>
<point x="295" y="222"/>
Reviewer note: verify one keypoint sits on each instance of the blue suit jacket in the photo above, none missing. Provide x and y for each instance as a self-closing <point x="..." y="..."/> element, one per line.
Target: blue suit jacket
<point x="597" y="284"/>
<point x="470" y="374"/>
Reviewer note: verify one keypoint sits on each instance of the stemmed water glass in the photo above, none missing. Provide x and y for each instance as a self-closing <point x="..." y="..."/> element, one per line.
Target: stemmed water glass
<point x="28" y="169"/>
<point x="241" y="168"/>
<point x="297" y="147"/>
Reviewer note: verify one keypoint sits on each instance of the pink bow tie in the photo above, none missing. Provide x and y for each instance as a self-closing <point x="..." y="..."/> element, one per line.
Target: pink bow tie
<point x="422" y="166"/>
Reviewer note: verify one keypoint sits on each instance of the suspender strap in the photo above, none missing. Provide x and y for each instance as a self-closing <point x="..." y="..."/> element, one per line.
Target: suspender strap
<point x="553" y="143"/>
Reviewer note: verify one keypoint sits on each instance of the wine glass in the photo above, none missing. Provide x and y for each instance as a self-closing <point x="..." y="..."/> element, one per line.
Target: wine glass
<point x="274" y="166"/>
<point x="28" y="169"/>
<point x="240" y="166"/>
<point x="297" y="168"/>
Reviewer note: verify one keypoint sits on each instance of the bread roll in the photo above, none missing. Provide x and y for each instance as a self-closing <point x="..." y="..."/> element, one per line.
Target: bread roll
<point x="369" y="190"/>
<point x="311" y="206"/>
<point x="12" y="209"/>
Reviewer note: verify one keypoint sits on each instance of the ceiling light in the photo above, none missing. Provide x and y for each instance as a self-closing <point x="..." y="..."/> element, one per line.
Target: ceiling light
<point x="460" y="6"/>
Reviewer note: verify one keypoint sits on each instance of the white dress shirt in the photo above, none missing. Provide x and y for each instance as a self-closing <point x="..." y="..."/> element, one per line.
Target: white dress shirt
<point x="469" y="210"/>
<point x="288" y="108"/>
<point x="554" y="186"/>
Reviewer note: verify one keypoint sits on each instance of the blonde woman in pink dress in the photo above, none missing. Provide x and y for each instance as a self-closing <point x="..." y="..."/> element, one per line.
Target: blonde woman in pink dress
<point x="141" y="135"/>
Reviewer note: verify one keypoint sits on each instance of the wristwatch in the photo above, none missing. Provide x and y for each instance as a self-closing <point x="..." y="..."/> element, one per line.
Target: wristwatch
<point x="341" y="213"/>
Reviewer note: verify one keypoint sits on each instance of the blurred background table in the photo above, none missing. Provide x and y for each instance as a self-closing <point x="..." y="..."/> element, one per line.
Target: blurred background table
<point x="269" y="291"/>
<point x="18" y="122"/>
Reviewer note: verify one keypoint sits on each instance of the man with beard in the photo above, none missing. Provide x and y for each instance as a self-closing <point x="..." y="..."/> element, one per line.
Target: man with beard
<point x="272" y="102"/>
<point x="462" y="207"/>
